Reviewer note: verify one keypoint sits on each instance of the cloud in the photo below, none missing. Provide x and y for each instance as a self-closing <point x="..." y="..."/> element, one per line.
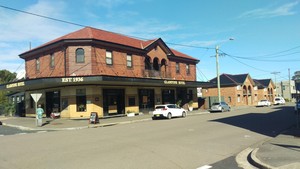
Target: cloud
<point x="18" y="30"/>
<point x="270" y="12"/>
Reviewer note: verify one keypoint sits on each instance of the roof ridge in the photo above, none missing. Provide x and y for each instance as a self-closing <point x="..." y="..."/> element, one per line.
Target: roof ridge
<point x="228" y="75"/>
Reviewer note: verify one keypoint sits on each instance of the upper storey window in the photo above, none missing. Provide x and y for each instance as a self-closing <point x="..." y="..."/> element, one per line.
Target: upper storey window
<point x="129" y="61"/>
<point x="188" y="71"/>
<point x="177" y="68"/>
<point x="37" y="65"/>
<point x="52" y="61"/>
<point x="109" y="58"/>
<point x="80" y="55"/>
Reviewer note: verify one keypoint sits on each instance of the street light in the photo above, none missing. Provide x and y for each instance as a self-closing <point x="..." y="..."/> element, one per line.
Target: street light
<point x="218" y="68"/>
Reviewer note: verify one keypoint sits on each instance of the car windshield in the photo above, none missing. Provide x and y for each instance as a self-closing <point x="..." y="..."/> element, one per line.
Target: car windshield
<point x="277" y="99"/>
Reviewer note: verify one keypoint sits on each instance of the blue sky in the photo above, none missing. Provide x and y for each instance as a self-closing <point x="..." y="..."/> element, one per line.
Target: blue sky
<point x="266" y="32"/>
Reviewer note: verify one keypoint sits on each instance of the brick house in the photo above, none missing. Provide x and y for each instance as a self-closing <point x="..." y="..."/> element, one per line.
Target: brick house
<point x="266" y="89"/>
<point x="236" y="90"/>
<point x="92" y="70"/>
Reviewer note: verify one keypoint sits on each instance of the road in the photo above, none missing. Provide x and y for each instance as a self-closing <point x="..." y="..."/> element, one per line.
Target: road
<point x="199" y="141"/>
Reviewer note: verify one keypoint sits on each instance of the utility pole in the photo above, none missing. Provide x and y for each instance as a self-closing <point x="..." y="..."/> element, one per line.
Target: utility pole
<point x="290" y="90"/>
<point x="275" y="73"/>
<point x="218" y="75"/>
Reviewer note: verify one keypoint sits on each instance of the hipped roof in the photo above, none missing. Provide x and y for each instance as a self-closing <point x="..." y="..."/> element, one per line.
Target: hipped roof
<point x="89" y="33"/>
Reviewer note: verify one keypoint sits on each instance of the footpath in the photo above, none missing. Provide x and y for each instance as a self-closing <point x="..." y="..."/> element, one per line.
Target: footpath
<point x="280" y="152"/>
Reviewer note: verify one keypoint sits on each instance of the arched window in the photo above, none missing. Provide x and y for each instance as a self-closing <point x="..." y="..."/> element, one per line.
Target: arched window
<point x="155" y="64"/>
<point x="80" y="55"/>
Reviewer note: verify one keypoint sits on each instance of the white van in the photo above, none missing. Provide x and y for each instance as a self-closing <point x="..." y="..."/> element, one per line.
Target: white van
<point x="279" y="100"/>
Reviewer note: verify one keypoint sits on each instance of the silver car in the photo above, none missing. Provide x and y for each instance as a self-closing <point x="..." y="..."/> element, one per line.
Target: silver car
<point x="221" y="107"/>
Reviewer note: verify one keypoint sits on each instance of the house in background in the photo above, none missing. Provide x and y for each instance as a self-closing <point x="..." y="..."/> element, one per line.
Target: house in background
<point x="92" y="70"/>
<point x="237" y="90"/>
<point x="266" y="89"/>
<point x="286" y="89"/>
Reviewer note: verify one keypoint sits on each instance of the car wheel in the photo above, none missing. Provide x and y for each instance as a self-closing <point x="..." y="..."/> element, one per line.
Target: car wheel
<point x="153" y="118"/>
<point x="222" y="110"/>
<point x="183" y="114"/>
<point x="169" y="116"/>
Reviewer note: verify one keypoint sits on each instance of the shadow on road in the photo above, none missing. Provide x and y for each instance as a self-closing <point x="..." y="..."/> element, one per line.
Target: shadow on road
<point x="269" y="124"/>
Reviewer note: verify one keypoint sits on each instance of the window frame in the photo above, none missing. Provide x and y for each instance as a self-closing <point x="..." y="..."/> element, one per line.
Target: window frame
<point x="129" y="61"/>
<point x="52" y="60"/>
<point x="109" y="58"/>
<point x="77" y="56"/>
<point x="37" y="64"/>
<point x="188" y="69"/>
<point x="177" y="67"/>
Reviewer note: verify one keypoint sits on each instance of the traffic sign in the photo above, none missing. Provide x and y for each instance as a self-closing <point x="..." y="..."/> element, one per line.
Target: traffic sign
<point x="36" y="96"/>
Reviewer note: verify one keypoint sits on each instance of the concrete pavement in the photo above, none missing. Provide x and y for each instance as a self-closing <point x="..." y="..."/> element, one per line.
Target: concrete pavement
<point x="282" y="152"/>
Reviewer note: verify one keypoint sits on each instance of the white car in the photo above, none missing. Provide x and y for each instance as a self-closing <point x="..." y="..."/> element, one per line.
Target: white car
<point x="279" y="100"/>
<point x="263" y="103"/>
<point x="168" y="111"/>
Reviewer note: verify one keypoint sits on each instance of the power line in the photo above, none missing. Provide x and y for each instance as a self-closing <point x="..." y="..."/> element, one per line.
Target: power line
<point x="76" y="24"/>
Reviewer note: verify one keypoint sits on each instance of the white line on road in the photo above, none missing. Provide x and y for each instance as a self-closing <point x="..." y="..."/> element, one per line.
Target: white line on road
<point x="204" y="167"/>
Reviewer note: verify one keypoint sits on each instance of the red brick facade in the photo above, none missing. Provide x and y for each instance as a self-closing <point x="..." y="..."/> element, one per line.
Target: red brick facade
<point x="242" y="94"/>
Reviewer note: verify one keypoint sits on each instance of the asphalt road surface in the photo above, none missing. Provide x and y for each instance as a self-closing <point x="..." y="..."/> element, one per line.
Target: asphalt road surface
<point x="195" y="142"/>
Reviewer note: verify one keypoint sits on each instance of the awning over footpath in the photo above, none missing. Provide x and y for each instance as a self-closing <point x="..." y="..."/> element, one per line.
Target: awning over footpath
<point x="56" y="82"/>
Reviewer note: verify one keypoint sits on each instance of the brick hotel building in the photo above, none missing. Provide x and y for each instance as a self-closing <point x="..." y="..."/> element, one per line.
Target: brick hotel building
<point x="92" y="70"/>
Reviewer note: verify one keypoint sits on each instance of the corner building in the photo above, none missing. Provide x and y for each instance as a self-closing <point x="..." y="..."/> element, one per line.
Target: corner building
<point x="92" y="70"/>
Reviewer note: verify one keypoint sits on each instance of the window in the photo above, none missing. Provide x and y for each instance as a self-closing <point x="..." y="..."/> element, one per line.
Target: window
<point x="188" y="69"/>
<point x="177" y="68"/>
<point x="129" y="60"/>
<point x="238" y="98"/>
<point x="81" y="100"/>
<point x="109" y="58"/>
<point x="79" y="55"/>
<point x="52" y="60"/>
<point x="37" y="64"/>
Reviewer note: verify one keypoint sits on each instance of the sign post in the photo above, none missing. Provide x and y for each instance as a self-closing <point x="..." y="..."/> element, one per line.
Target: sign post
<point x="36" y="97"/>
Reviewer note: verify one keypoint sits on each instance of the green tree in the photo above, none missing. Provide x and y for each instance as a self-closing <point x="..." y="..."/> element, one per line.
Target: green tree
<point x="5" y="107"/>
<point x="6" y="76"/>
<point x="296" y="76"/>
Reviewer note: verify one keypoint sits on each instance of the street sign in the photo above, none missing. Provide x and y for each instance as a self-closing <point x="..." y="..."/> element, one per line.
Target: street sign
<point x="36" y="96"/>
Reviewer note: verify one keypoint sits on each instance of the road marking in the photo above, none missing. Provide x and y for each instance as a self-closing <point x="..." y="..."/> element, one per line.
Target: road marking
<point x="204" y="167"/>
<point x="20" y="133"/>
<point x="41" y="132"/>
<point x="1" y="135"/>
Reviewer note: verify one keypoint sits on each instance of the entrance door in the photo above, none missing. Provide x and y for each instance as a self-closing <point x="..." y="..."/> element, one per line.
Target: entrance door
<point x="113" y="102"/>
<point x="168" y="96"/>
<point x="52" y="102"/>
<point x="146" y="100"/>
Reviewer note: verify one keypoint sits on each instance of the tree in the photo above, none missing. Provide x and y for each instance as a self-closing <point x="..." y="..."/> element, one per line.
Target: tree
<point x="5" y="77"/>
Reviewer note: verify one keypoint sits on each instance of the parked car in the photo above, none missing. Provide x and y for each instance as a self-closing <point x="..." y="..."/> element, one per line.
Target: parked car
<point x="279" y="100"/>
<point x="297" y="106"/>
<point x="222" y="106"/>
<point x="263" y="103"/>
<point x="168" y="111"/>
